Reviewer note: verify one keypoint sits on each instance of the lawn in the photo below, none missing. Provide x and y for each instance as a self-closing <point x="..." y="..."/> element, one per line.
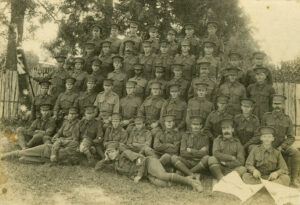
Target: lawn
<point x="30" y="184"/>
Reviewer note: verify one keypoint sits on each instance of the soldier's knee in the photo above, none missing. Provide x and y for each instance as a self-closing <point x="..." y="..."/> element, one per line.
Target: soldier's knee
<point x="175" y="159"/>
<point x="292" y="152"/>
<point x="165" y="159"/>
<point x="84" y="148"/>
<point x="46" y="139"/>
<point x="212" y="160"/>
<point x="241" y="170"/>
<point x="285" y="179"/>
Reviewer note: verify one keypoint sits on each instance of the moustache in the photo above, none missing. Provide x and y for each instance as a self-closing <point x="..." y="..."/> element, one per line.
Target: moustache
<point x="226" y="133"/>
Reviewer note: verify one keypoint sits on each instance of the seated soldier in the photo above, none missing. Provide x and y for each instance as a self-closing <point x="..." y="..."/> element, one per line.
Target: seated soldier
<point x="247" y="125"/>
<point x="40" y="131"/>
<point x="136" y="166"/>
<point x="140" y="139"/>
<point x="141" y="82"/>
<point x="266" y="162"/>
<point x="106" y="120"/>
<point x="194" y="147"/>
<point x="159" y="77"/>
<point x="89" y="133"/>
<point x="167" y="141"/>
<point x="64" y="136"/>
<point x="115" y="137"/>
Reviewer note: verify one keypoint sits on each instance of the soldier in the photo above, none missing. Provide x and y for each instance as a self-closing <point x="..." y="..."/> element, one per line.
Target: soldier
<point x="141" y="82"/>
<point x="140" y="139"/>
<point x="203" y="78"/>
<point x="194" y="147"/>
<point x="97" y="74"/>
<point x="129" y="59"/>
<point x="96" y="37"/>
<point x="40" y="130"/>
<point x="212" y="27"/>
<point x="129" y="105"/>
<point x="89" y="133"/>
<point x="113" y="38"/>
<point x="153" y="37"/>
<point x="215" y="63"/>
<point x="88" y="97"/>
<point x="147" y="59"/>
<point x="167" y="141"/>
<point x="235" y="59"/>
<point x="151" y="107"/>
<point x="107" y="101"/>
<point x="165" y="59"/>
<point x="64" y="136"/>
<point x="64" y="101"/>
<point x="261" y="92"/>
<point x="187" y="60"/>
<point x="284" y="137"/>
<point x="106" y="58"/>
<point x="258" y="60"/>
<point x="247" y="125"/>
<point x="189" y="29"/>
<point x="41" y="98"/>
<point x="199" y="105"/>
<point x="173" y="44"/>
<point x="159" y="77"/>
<point x="235" y="90"/>
<point x="176" y="106"/>
<point x="118" y="76"/>
<point x="136" y="166"/>
<point x="133" y="29"/>
<point x="89" y="56"/>
<point x="79" y="74"/>
<point x="266" y="162"/>
<point x="178" y="79"/>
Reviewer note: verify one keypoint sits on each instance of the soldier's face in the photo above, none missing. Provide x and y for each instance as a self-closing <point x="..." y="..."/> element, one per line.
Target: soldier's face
<point x="133" y="29"/>
<point x="114" y="31"/>
<point x="128" y="47"/>
<point x="115" y="123"/>
<point x="174" y="93"/>
<point x="105" y="49"/>
<point x="137" y="71"/>
<point x="69" y="86"/>
<point x="112" y="154"/>
<point x="164" y="49"/>
<point x="170" y="37"/>
<point x="90" y="85"/>
<point x="177" y="74"/>
<point x="44" y="90"/>
<point x="267" y="139"/>
<point x="117" y="64"/>
<point x="278" y="106"/>
<point x="211" y="29"/>
<point x="246" y="109"/>
<point x="227" y="131"/>
<point x="208" y="50"/>
<point x="258" y="61"/>
<point x="169" y="124"/>
<point x="185" y="48"/>
<point x="129" y="90"/>
<point x="60" y="64"/>
<point x="95" y="68"/>
<point x="196" y="127"/>
<point x="260" y="77"/>
<point x="45" y="113"/>
<point x="90" y="51"/>
<point x="234" y="61"/>
<point x="232" y="78"/>
<point x="147" y="49"/>
<point x="204" y="72"/>
<point x="155" y="91"/>
<point x="159" y="75"/>
<point x="72" y="116"/>
<point x="221" y="106"/>
<point x="201" y="93"/>
<point x="152" y="34"/>
<point x="78" y="66"/>
<point x="107" y="88"/>
<point x="139" y="125"/>
<point x="189" y="31"/>
<point x="96" y="32"/>
<point x="89" y="115"/>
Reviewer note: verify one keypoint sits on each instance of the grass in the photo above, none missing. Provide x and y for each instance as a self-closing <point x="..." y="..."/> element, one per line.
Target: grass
<point x="30" y="184"/>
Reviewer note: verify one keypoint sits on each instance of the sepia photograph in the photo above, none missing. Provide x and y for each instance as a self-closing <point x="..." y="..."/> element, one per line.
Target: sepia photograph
<point x="150" y="102"/>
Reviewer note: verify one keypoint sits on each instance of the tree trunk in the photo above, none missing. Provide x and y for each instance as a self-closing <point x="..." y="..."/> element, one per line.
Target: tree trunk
<point x="109" y="11"/>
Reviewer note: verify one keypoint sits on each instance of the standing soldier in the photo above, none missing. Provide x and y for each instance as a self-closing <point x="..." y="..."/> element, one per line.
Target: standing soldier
<point x="261" y="92"/>
<point x="97" y="38"/>
<point x="159" y="77"/>
<point x="266" y="162"/>
<point x="151" y="107"/>
<point x="203" y="78"/>
<point x="165" y="59"/>
<point x="113" y="38"/>
<point x="88" y="97"/>
<point x="141" y="82"/>
<point x="41" y="98"/>
<point x="97" y="74"/>
<point x="176" y="106"/>
<point x="284" y="137"/>
<point x="89" y="56"/>
<point x="118" y="76"/>
<point x="89" y="133"/>
<point x="129" y="105"/>
<point x="147" y="59"/>
<point x="187" y="60"/>
<point x="178" y="79"/>
<point x="154" y="39"/>
<point x="247" y="125"/>
<point x="189" y="29"/>
<point x="107" y="101"/>
<point x="235" y="90"/>
<point x="173" y="44"/>
<point x="199" y="105"/>
<point x="234" y="60"/>
<point x="258" y="60"/>
<point x="64" y="101"/>
<point x="129" y="59"/>
<point x="79" y="74"/>
<point x="64" y="136"/>
<point x="40" y="130"/>
<point x="212" y="27"/>
<point x="133" y="29"/>
<point x="106" y="58"/>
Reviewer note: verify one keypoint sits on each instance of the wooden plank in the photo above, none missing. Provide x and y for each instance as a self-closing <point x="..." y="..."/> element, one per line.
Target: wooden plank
<point x="6" y="95"/>
<point x="297" y="115"/>
<point x="279" y="88"/>
<point x="15" y="88"/>
<point x="2" y="95"/>
<point x="11" y="92"/>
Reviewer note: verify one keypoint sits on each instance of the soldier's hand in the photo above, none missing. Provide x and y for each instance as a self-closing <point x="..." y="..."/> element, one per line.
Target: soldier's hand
<point x="256" y="174"/>
<point x="176" y="129"/>
<point x="204" y="149"/>
<point x="279" y="148"/>
<point x="273" y="176"/>
<point x="188" y="149"/>
<point x="223" y="163"/>
<point x="137" y="179"/>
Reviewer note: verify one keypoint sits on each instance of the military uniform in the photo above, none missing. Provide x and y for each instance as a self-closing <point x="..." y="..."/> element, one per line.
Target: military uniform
<point x="115" y="44"/>
<point x="107" y="102"/>
<point x="141" y="82"/>
<point x="158" y="69"/>
<point x="99" y="76"/>
<point x="184" y="84"/>
<point x="128" y="65"/>
<point x="173" y="45"/>
<point x="106" y="59"/>
<point x="89" y="57"/>
<point x="134" y="37"/>
<point x="194" y="40"/>
<point x="58" y="78"/>
<point x="215" y="65"/>
<point x="148" y="63"/>
<point x="115" y="137"/>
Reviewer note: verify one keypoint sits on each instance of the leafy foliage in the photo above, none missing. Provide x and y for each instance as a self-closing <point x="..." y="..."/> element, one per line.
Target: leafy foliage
<point x="289" y="71"/>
